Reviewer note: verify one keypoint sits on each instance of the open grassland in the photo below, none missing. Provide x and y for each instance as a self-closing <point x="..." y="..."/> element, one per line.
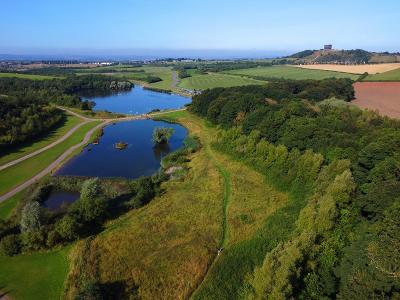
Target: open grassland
<point x="164" y="248"/>
<point x="213" y="80"/>
<point x="26" y="76"/>
<point x="393" y="75"/>
<point x="34" y="276"/>
<point x="168" y="249"/>
<point x="354" y="69"/>
<point x="290" y="73"/>
<point x="19" y="173"/>
<point x="7" y="207"/>
<point x="41" y="141"/>
<point x="383" y="97"/>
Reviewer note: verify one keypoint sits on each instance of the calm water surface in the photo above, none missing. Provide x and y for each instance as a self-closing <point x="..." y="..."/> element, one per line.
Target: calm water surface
<point x="140" y="158"/>
<point x="138" y="101"/>
<point x="57" y="199"/>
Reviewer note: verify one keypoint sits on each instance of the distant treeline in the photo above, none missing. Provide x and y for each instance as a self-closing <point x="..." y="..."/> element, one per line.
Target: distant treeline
<point x="203" y="67"/>
<point x="352" y="251"/>
<point x="62" y="71"/>
<point x="60" y="91"/>
<point x="24" y="104"/>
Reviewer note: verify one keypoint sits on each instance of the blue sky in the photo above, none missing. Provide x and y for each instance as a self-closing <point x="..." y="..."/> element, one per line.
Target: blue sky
<point x="46" y="26"/>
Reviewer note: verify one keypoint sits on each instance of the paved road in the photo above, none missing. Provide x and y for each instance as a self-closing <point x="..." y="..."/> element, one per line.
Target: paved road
<point x="68" y="152"/>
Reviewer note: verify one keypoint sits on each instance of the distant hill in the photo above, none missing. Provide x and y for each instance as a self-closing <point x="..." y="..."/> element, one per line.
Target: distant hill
<point x="357" y="56"/>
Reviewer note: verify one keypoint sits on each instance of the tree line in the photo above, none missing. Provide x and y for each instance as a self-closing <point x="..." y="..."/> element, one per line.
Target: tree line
<point x="23" y="118"/>
<point x="25" y="112"/>
<point x="355" y="255"/>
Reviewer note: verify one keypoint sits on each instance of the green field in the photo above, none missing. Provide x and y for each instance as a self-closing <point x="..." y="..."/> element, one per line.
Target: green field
<point x="213" y="80"/>
<point x="40" y="142"/>
<point x="34" y="276"/>
<point x="291" y="73"/>
<point x="220" y="203"/>
<point x="17" y="174"/>
<point x="26" y="76"/>
<point x="8" y="206"/>
<point x="393" y="75"/>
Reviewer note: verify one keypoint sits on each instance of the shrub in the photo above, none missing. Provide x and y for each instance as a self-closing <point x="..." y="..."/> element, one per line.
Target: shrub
<point x="161" y="135"/>
<point x="34" y="240"/>
<point x="68" y="228"/>
<point x="31" y="216"/>
<point x="10" y="245"/>
<point x="91" y="188"/>
<point x="90" y="291"/>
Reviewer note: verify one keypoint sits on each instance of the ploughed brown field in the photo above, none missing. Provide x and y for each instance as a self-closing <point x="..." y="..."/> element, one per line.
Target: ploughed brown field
<point x="381" y="96"/>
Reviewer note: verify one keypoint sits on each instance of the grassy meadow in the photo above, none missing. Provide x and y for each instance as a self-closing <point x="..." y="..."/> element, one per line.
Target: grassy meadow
<point x="213" y="80"/>
<point x="39" y="275"/>
<point x="393" y="75"/>
<point x="290" y="73"/>
<point x="26" y="76"/>
<point x="169" y="248"/>
<point x="7" y="207"/>
<point x="19" y="173"/>
<point x="42" y="141"/>
<point x="163" y="249"/>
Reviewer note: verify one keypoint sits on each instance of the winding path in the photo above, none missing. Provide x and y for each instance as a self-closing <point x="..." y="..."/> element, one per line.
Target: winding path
<point x="68" y="152"/>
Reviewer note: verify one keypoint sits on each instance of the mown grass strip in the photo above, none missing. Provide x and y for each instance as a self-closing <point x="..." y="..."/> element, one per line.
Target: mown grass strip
<point x="39" y="275"/>
<point x="212" y="80"/>
<point x="26" y="76"/>
<point x="287" y="72"/>
<point x="8" y="206"/>
<point x="16" y="175"/>
<point x="42" y="141"/>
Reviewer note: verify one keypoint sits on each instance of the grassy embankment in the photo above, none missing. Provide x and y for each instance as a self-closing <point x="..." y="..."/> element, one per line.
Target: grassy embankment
<point x="290" y="73"/>
<point x="17" y="174"/>
<point x="164" y="250"/>
<point x="41" y="141"/>
<point x="393" y="75"/>
<point x="34" y="276"/>
<point x="26" y="76"/>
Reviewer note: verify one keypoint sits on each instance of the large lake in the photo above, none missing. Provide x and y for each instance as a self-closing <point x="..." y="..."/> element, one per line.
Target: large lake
<point x="138" y="101"/>
<point x="140" y="158"/>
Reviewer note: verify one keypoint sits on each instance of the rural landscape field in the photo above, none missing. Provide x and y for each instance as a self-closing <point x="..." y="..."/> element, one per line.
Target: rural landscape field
<point x="215" y="150"/>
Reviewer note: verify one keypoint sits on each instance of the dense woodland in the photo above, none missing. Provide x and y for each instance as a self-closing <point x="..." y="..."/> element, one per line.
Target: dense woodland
<point x="23" y="118"/>
<point x="25" y="110"/>
<point x="345" y="242"/>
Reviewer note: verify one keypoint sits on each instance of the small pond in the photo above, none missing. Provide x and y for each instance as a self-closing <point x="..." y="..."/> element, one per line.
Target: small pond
<point x="139" y="158"/>
<point x="137" y="101"/>
<point x="58" y="199"/>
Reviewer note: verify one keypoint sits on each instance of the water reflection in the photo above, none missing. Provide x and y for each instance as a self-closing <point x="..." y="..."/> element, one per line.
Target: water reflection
<point x="136" y="101"/>
<point x="140" y="158"/>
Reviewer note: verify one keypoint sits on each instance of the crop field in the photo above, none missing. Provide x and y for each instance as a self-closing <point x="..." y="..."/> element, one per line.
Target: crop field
<point x="393" y="75"/>
<point x="26" y="76"/>
<point x="354" y="69"/>
<point x="286" y="72"/>
<point x="213" y="80"/>
<point x="41" y="274"/>
<point x="381" y="96"/>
